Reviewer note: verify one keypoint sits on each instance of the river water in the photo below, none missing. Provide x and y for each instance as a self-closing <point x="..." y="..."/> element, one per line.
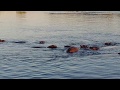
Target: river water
<point x="21" y="61"/>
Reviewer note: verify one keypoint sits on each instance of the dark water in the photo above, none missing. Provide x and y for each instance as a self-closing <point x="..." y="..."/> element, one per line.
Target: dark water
<point x="20" y="60"/>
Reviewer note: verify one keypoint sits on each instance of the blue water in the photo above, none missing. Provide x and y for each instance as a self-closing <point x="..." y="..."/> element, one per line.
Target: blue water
<point x="21" y="61"/>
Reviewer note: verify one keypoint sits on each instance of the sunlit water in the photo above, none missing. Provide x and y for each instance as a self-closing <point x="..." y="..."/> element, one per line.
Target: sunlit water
<point x="66" y="28"/>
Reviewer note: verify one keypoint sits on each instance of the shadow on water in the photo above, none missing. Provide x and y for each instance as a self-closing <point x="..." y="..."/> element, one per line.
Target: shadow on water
<point x="21" y="14"/>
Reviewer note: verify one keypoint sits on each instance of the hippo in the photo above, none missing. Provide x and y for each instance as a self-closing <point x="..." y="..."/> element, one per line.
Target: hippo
<point x="94" y="48"/>
<point x="109" y="43"/>
<point x="52" y="46"/>
<point x="67" y="46"/>
<point x="41" y="42"/>
<point x="84" y="46"/>
<point x="38" y="47"/>
<point x="72" y="50"/>
<point x="2" y="40"/>
<point x="19" y="42"/>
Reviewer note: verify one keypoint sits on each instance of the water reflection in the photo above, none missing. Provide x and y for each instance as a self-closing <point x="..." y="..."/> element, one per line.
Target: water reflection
<point x="21" y="14"/>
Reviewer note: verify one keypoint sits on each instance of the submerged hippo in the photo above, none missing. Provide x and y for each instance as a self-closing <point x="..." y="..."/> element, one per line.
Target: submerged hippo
<point x="41" y="42"/>
<point x="19" y="42"/>
<point x="94" y="48"/>
<point x="84" y="46"/>
<point x="67" y="46"/>
<point x="38" y="47"/>
<point x="2" y="40"/>
<point x="109" y="43"/>
<point x="52" y="46"/>
<point x="72" y="50"/>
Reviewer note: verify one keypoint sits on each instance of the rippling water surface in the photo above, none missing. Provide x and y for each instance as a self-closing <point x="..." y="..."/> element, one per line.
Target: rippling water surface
<point x="20" y="60"/>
